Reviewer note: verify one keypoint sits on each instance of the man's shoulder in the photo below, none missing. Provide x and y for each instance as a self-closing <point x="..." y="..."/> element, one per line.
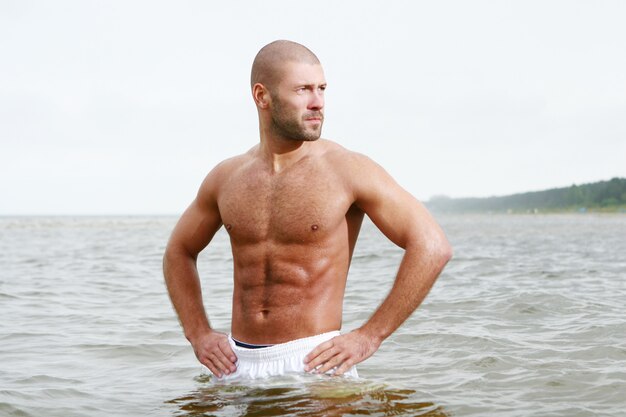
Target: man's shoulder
<point x="358" y="172"/>
<point x="229" y="165"/>
<point x="223" y="171"/>
<point x="339" y="156"/>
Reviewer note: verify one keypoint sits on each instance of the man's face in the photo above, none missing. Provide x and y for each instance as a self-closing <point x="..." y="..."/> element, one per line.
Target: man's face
<point x="297" y="106"/>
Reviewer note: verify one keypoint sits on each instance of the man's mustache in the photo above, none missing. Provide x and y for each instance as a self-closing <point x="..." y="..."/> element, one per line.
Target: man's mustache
<point x="314" y="114"/>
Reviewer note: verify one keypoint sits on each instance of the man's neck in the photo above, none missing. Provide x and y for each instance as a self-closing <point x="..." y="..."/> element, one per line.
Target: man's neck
<point x="281" y="153"/>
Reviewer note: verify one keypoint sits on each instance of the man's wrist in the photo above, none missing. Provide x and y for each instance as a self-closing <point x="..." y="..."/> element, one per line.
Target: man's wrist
<point x="195" y="334"/>
<point x="372" y="334"/>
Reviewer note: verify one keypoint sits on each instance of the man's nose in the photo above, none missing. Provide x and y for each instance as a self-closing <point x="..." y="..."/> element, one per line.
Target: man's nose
<point x="317" y="100"/>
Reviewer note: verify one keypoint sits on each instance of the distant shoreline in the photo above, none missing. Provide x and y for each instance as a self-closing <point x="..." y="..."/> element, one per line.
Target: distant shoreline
<point x="599" y="197"/>
<point x="604" y="210"/>
<point x="572" y="210"/>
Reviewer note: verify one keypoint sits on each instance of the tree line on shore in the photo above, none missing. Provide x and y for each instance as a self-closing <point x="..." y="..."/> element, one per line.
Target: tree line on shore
<point x="598" y="196"/>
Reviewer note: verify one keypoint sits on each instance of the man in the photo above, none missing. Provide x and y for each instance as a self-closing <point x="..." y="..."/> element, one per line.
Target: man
<point x="293" y="206"/>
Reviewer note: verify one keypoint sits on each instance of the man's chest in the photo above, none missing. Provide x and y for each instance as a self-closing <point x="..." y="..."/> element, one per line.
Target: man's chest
<point x="301" y="207"/>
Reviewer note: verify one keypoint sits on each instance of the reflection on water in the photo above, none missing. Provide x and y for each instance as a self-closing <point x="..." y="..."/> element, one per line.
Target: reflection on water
<point x="303" y="395"/>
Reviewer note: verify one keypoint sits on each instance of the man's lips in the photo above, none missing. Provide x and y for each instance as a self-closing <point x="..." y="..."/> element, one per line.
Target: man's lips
<point x="313" y="117"/>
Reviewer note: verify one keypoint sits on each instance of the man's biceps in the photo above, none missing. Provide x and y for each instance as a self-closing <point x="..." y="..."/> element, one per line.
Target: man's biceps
<point x="404" y="225"/>
<point x="387" y="198"/>
<point x="197" y="226"/>
<point x="182" y="240"/>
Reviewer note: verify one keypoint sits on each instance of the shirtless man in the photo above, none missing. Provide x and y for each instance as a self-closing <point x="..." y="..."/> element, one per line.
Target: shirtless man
<point x="293" y="207"/>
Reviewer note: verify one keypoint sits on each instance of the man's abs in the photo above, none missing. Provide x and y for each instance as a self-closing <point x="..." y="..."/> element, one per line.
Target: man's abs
<point x="287" y="295"/>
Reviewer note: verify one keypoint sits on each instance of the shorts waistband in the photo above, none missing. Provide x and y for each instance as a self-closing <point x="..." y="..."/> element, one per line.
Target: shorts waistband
<point x="281" y="350"/>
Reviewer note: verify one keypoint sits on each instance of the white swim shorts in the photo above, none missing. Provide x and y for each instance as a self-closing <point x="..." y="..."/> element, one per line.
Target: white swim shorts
<point x="275" y="360"/>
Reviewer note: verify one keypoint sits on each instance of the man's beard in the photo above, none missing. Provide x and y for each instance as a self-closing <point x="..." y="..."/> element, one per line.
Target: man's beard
<point x="289" y="127"/>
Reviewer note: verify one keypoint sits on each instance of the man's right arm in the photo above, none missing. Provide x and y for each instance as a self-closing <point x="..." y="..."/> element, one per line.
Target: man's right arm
<point x="192" y="233"/>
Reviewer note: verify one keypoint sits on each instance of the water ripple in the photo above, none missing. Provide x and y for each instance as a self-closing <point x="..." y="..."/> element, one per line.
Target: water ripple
<point x="527" y="319"/>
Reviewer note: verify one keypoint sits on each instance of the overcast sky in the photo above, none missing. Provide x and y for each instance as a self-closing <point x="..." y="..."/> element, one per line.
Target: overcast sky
<point x="122" y="107"/>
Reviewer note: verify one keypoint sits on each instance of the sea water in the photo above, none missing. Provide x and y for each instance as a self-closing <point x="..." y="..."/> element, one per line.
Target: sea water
<point x="527" y="319"/>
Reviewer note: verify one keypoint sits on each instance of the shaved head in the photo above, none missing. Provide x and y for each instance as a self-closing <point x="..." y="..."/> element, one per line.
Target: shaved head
<point x="266" y="68"/>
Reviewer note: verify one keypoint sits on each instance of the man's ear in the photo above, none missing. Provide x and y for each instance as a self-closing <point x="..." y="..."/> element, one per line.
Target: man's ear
<point x="261" y="96"/>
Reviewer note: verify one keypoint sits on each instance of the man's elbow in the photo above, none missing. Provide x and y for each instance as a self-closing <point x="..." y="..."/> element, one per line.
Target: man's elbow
<point x="439" y="251"/>
<point x="167" y="260"/>
<point x="435" y="248"/>
<point x="169" y="253"/>
<point x="444" y="252"/>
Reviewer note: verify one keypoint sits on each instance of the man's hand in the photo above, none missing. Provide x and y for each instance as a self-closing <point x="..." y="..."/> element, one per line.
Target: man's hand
<point x="213" y="351"/>
<point x="342" y="352"/>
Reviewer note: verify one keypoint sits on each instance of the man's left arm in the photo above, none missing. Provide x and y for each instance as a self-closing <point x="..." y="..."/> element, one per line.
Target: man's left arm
<point x="407" y="223"/>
